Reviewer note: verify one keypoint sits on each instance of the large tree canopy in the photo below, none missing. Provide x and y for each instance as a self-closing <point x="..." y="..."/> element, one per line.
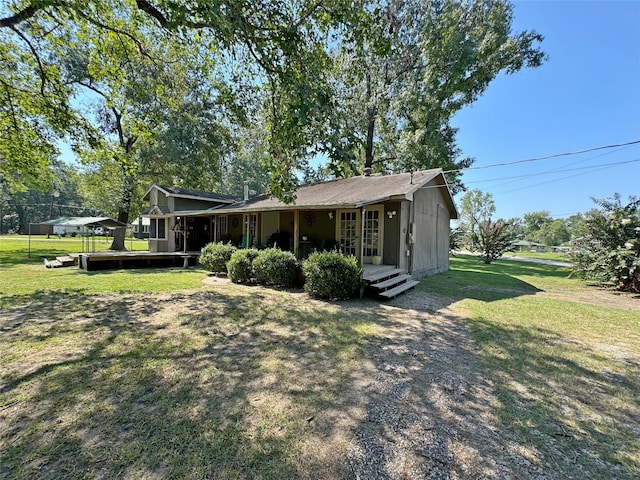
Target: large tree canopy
<point x="160" y="89"/>
<point x="404" y="84"/>
<point x="274" y="46"/>
<point x="148" y="87"/>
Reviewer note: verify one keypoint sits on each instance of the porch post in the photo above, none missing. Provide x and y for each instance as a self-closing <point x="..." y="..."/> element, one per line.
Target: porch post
<point x="296" y="231"/>
<point x="362" y="236"/>
<point x="247" y="219"/>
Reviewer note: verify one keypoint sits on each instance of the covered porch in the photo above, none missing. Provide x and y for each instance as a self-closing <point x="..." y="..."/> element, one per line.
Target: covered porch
<point x="371" y="233"/>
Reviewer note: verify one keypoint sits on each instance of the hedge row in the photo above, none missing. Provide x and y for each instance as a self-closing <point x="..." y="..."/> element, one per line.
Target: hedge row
<point x="329" y="275"/>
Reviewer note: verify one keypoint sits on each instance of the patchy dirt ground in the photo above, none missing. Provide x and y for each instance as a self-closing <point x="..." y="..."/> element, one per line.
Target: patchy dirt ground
<point x="418" y="405"/>
<point x="425" y="405"/>
<point x="602" y="297"/>
<point x="429" y="404"/>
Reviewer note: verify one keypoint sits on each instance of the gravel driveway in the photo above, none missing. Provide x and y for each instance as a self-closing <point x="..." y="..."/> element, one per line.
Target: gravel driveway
<point x="428" y="404"/>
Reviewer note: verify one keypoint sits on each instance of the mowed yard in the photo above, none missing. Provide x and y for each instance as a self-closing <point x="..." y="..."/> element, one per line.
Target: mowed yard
<point x="509" y="370"/>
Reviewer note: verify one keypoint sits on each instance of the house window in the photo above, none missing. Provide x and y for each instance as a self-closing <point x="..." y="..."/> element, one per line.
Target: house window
<point x="145" y="229"/>
<point x="158" y="229"/>
<point x="253" y="229"/>
<point x="224" y="229"/>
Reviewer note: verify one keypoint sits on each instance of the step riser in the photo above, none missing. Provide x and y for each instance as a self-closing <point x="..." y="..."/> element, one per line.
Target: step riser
<point x="392" y="282"/>
<point x="394" y="292"/>
<point x="389" y="284"/>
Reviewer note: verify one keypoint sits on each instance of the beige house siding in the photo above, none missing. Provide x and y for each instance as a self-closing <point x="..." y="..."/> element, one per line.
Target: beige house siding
<point x="431" y="250"/>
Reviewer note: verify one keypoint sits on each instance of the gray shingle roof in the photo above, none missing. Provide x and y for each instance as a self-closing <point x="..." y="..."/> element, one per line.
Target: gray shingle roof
<point x="349" y="192"/>
<point x="156" y="210"/>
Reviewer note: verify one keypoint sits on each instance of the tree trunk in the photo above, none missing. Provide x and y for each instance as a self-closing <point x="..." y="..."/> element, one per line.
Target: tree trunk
<point x="372" y="111"/>
<point x="371" y="123"/>
<point x="123" y="215"/>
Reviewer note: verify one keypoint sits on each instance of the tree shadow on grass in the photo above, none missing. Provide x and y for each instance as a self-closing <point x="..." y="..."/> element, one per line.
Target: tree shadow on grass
<point x="487" y="286"/>
<point x="514" y="403"/>
<point x="205" y="385"/>
<point x="575" y="404"/>
<point x="510" y="403"/>
<point x="252" y="383"/>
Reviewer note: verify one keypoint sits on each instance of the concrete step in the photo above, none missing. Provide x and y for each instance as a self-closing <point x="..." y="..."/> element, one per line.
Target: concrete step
<point x="383" y="275"/>
<point x="403" y="287"/>
<point x="395" y="280"/>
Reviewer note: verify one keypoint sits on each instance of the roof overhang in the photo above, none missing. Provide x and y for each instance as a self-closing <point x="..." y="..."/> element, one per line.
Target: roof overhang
<point x="167" y="193"/>
<point x="85" y="222"/>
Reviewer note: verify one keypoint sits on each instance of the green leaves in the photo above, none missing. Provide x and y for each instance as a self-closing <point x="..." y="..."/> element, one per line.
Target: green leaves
<point x="170" y="83"/>
<point x="609" y="250"/>
<point x="415" y="66"/>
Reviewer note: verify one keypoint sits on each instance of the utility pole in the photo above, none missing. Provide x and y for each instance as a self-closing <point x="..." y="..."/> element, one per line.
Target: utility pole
<point x="54" y="195"/>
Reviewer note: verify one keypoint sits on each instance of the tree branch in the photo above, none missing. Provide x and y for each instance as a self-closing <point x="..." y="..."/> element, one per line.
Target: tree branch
<point x="43" y="74"/>
<point x="152" y="11"/>
<point x="92" y="88"/>
<point x="114" y="30"/>
<point x="164" y="22"/>
<point x="24" y="14"/>
<point x="12" y="108"/>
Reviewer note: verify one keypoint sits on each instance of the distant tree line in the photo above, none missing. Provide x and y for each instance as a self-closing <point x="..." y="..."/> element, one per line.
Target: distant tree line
<point x="603" y="243"/>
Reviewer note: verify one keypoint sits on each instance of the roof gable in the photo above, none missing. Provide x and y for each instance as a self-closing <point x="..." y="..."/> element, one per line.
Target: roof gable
<point x="191" y="194"/>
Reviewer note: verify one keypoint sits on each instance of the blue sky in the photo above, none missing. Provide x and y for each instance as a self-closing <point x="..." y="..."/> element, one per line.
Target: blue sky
<point x="586" y="95"/>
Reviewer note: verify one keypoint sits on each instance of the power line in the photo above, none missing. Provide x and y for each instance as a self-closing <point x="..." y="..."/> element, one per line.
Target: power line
<point x="556" y="171"/>
<point x="537" y="159"/>
<point x="567" y="165"/>
<point x="548" y="181"/>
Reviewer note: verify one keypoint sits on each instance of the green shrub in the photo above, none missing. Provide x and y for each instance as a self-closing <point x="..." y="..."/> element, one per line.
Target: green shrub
<point x="214" y="256"/>
<point x="240" y="265"/>
<point x="332" y="275"/>
<point x="276" y="267"/>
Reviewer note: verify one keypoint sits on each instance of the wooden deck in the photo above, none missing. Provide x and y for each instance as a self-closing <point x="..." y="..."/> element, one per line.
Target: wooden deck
<point x="114" y="260"/>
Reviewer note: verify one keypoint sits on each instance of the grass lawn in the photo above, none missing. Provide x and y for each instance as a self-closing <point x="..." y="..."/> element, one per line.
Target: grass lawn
<point x="560" y="257"/>
<point x="25" y="279"/>
<point x="567" y="370"/>
<point x="155" y="374"/>
<point x="19" y="249"/>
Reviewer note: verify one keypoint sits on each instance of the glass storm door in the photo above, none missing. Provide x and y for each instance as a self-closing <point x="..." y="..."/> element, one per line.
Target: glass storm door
<point x="372" y="233"/>
<point x="348" y="232"/>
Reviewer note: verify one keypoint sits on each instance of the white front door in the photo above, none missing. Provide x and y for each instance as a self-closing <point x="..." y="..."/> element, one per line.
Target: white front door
<point x="373" y="232"/>
<point x="348" y="226"/>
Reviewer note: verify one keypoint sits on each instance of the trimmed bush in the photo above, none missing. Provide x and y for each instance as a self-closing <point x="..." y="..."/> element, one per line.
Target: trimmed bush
<point x="332" y="275"/>
<point x="276" y="267"/>
<point x="214" y="256"/>
<point x="240" y="265"/>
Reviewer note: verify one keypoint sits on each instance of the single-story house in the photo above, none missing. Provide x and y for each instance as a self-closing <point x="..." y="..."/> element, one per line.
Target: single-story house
<point x="526" y="246"/>
<point x="401" y="220"/>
